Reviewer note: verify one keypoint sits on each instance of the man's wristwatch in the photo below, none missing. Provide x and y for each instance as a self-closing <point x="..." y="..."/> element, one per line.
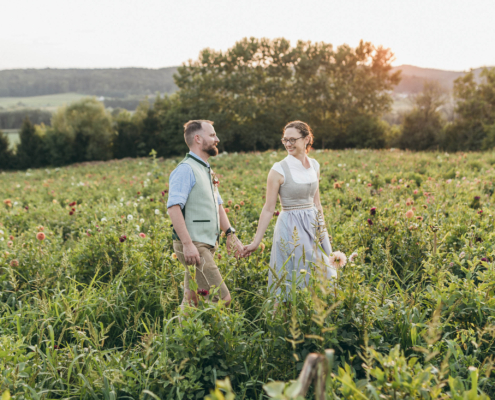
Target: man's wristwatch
<point x="229" y="231"/>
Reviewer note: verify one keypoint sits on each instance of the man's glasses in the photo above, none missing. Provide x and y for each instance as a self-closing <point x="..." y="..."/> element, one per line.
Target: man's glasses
<point x="291" y="140"/>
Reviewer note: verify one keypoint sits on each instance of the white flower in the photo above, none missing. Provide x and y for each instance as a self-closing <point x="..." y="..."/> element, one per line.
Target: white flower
<point x="149" y="174"/>
<point x="353" y="256"/>
<point x="137" y="228"/>
<point x="135" y="204"/>
<point x="462" y="255"/>
<point x="130" y="217"/>
<point x="157" y="212"/>
<point x="141" y="220"/>
<point x="1" y="232"/>
<point x="337" y="259"/>
<point x="103" y="219"/>
<point x="303" y="271"/>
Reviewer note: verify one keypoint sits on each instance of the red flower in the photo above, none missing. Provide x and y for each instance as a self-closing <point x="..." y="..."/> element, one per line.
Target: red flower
<point x="203" y="292"/>
<point x="276" y="213"/>
<point x="373" y="211"/>
<point x="40" y="236"/>
<point x="370" y="222"/>
<point x="123" y="238"/>
<point x="71" y="213"/>
<point x="72" y="204"/>
<point x="151" y="200"/>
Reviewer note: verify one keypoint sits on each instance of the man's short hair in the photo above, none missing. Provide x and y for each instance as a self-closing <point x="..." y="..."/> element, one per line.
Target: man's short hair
<point x="191" y="127"/>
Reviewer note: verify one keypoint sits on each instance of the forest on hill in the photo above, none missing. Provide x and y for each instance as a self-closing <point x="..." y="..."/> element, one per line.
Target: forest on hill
<point x="132" y="82"/>
<point x="413" y="78"/>
<point x="120" y="83"/>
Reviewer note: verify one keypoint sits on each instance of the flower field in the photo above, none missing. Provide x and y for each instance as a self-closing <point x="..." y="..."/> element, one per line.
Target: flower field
<point x="90" y="287"/>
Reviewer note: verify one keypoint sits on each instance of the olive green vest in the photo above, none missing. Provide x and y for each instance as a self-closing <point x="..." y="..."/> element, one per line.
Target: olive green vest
<point x="201" y="209"/>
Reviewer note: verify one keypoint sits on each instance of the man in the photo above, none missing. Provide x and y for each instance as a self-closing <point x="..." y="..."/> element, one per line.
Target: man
<point x="195" y="208"/>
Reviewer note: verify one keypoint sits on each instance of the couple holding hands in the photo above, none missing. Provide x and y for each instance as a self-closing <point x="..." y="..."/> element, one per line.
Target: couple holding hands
<point x="194" y="205"/>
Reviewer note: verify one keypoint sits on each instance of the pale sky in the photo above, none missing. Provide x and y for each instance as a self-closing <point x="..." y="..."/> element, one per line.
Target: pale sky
<point x="446" y="34"/>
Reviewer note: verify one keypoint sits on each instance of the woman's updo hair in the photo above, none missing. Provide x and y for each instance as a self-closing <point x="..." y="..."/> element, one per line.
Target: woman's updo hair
<point x="304" y="129"/>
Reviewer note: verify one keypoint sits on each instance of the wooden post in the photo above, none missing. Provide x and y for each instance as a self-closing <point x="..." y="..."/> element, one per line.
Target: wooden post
<point x="316" y="368"/>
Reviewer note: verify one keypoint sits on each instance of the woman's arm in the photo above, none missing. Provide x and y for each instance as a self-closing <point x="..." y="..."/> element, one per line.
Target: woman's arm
<point x="317" y="200"/>
<point x="272" y="187"/>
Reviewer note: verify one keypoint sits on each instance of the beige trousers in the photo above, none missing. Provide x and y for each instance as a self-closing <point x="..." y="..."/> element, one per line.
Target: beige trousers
<point x="207" y="274"/>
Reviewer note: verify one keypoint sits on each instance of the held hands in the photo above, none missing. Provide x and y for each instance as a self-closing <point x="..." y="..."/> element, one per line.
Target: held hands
<point x="250" y="249"/>
<point x="235" y="245"/>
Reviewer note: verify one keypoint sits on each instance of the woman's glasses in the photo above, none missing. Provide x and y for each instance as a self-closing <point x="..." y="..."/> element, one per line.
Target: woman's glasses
<point x="291" y="140"/>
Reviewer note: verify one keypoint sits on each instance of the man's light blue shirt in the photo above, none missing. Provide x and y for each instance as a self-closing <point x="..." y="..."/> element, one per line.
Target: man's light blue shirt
<point x="181" y="182"/>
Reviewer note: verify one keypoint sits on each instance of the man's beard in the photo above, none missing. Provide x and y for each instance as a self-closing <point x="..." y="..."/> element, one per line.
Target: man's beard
<point x="211" y="151"/>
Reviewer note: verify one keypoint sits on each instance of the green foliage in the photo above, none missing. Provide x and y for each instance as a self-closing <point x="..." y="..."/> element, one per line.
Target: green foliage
<point x="6" y="155"/>
<point x="82" y="131"/>
<point x="13" y="119"/>
<point x="30" y="151"/>
<point x="475" y="109"/>
<point x="422" y="127"/>
<point x="85" y="315"/>
<point x="254" y="88"/>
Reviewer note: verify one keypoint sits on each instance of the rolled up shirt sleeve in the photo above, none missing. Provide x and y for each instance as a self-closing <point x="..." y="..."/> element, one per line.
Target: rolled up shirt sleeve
<point x="180" y="184"/>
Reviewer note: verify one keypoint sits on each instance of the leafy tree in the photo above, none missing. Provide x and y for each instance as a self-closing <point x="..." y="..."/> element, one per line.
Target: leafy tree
<point x="475" y="113"/>
<point x="82" y="131"/>
<point x="6" y="155"/>
<point x="130" y="140"/>
<point x="30" y="151"/>
<point x="253" y="89"/>
<point x="423" y="125"/>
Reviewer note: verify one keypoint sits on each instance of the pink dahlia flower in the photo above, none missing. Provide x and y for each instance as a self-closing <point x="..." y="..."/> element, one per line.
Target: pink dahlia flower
<point x="337" y="259"/>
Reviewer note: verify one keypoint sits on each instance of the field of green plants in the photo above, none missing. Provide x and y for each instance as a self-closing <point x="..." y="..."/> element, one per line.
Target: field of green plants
<point x="90" y="287"/>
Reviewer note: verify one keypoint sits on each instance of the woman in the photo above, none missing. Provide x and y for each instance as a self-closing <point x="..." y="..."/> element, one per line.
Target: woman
<point x="300" y="227"/>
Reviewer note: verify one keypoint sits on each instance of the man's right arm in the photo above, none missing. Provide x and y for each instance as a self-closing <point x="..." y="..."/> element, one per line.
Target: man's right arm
<point x="191" y="253"/>
<point x="181" y="183"/>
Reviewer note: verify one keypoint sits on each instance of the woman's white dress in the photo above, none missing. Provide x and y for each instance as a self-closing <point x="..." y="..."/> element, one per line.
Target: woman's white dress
<point x="299" y="235"/>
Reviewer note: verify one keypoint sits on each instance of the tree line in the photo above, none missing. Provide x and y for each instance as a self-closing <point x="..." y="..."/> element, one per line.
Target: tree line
<point x="13" y="119"/>
<point x="251" y="91"/>
<point x="122" y="82"/>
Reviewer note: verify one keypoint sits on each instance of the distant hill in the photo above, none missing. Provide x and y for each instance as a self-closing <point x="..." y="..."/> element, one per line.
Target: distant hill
<point x="115" y="83"/>
<point x="136" y="83"/>
<point x="413" y="78"/>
